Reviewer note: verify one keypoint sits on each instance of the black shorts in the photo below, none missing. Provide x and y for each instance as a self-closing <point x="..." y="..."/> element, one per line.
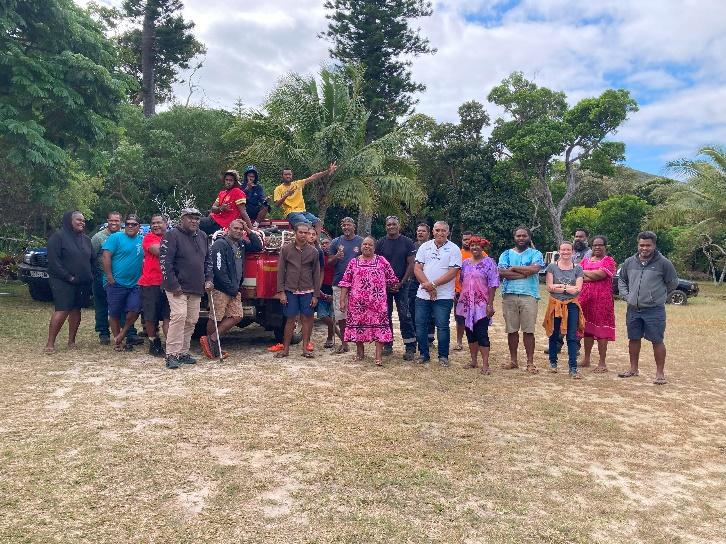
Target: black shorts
<point x="648" y="323"/>
<point x="69" y="296"/>
<point x="154" y="304"/>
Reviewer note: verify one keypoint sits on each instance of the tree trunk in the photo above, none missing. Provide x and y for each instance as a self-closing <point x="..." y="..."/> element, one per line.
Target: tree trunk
<point x="365" y="222"/>
<point x="148" y="44"/>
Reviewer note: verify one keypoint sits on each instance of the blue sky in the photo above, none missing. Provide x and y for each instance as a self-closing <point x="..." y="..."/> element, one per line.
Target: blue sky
<point x="668" y="53"/>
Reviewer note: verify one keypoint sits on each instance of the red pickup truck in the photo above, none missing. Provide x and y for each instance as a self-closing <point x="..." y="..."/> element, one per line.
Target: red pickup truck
<point x="259" y="287"/>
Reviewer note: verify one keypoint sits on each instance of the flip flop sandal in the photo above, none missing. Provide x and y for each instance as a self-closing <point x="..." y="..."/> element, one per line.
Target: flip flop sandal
<point x="470" y="365"/>
<point x="328" y="344"/>
<point x="660" y="381"/>
<point x="458" y="347"/>
<point x="628" y="374"/>
<point x="600" y="370"/>
<point x="118" y="347"/>
<point x="276" y="348"/>
<point x="486" y="372"/>
<point x="379" y="362"/>
<point x="341" y="350"/>
<point x="281" y="355"/>
<point x="308" y="354"/>
<point x="358" y="359"/>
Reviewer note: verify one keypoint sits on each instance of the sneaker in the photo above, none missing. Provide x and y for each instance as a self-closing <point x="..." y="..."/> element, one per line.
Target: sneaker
<point x="206" y="349"/>
<point x="187" y="359"/>
<point x="575" y="375"/>
<point x="275" y="348"/>
<point x="155" y="348"/>
<point x="128" y="346"/>
<point x="104" y="339"/>
<point x="422" y="360"/>
<point x="553" y="368"/>
<point x="134" y="340"/>
<point x="409" y="355"/>
<point x="387" y="350"/>
<point x="443" y="361"/>
<point x="172" y="361"/>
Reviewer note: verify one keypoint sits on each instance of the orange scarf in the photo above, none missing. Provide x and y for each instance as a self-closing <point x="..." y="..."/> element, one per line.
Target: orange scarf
<point x="558" y="308"/>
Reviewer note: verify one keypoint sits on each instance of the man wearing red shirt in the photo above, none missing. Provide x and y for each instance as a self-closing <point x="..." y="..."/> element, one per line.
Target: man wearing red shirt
<point x="230" y="204"/>
<point x="154" y="303"/>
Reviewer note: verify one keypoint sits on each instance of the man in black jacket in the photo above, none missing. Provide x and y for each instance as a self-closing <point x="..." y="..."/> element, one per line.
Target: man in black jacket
<point x="184" y="261"/>
<point x="228" y="265"/>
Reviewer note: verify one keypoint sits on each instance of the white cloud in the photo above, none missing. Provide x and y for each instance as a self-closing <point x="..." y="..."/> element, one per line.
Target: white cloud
<point x="668" y="52"/>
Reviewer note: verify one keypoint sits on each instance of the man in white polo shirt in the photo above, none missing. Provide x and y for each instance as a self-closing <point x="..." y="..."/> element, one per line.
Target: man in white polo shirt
<point x="437" y="262"/>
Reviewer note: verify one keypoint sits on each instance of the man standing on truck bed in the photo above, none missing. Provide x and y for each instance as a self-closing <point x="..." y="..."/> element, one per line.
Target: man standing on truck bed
<point x="645" y="281"/>
<point x="342" y="250"/>
<point x="186" y="273"/>
<point x="298" y="287"/>
<point x="289" y="195"/>
<point x="228" y="270"/>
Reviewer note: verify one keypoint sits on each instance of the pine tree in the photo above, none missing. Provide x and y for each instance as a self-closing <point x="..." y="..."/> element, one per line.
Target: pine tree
<point x="377" y="34"/>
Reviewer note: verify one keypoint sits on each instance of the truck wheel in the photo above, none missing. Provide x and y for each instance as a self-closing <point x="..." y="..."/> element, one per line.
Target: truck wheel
<point x="40" y="292"/>
<point x="678" y="298"/>
<point x="280" y="333"/>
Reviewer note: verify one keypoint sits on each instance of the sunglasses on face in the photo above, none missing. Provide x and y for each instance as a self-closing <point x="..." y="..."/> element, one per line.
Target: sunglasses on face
<point x="132" y="224"/>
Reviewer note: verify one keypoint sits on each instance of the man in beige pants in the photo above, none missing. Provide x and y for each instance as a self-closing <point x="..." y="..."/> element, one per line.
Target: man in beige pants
<point x="184" y="260"/>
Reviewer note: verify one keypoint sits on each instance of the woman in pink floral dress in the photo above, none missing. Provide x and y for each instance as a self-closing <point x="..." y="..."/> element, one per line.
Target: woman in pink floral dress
<point x="597" y="303"/>
<point x="363" y="294"/>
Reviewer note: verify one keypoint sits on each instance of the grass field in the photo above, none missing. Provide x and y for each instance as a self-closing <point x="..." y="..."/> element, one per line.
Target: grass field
<point x="103" y="447"/>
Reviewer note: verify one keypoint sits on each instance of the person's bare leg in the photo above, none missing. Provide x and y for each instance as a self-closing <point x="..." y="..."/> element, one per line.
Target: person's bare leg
<point x="331" y="328"/>
<point x="602" y="351"/>
<point x="473" y="352"/>
<point x="287" y="339"/>
<point x="360" y="351"/>
<point x="165" y="328"/>
<point x="114" y="323"/>
<point x="589" y="341"/>
<point x="130" y="320"/>
<point x="150" y="327"/>
<point x="484" y="350"/>
<point x="57" y="319"/>
<point x="224" y="326"/>
<point x="659" y="352"/>
<point x="634" y="353"/>
<point x="459" y="334"/>
<point x="210" y="326"/>
<point x="379" y="353"/>
<point x="74" y="321"/>
<point x="261" y="215"/>
<point x="529" y="347"/>
<point x="513" y="341"/>
<point x="307" y="330"/>
<point x="341" y="326"/>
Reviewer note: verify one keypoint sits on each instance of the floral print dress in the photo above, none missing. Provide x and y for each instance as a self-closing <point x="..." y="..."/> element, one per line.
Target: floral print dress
<point x="596" y="299"/>
<point x="367" y="280"/>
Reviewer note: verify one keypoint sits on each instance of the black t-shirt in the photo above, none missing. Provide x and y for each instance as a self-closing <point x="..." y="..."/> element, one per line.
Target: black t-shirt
<point x="396" y="251"/>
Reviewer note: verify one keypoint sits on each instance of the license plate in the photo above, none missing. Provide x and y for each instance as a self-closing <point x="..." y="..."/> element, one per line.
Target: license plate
<point x="38" y="274"/>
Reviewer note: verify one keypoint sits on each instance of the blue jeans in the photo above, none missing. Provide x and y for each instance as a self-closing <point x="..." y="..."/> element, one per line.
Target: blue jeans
<point x="573" y="317"/>
<point x="440" y="310"/>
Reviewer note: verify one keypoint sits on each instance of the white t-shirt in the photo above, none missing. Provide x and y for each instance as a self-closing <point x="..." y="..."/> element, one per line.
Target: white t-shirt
<point x="436" y="262"/>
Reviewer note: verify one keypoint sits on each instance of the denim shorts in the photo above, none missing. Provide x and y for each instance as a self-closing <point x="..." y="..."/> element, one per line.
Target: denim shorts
<point x="298" y="305"/>
<point x="648" y="323"/>
<point x="324" y="308"/>
<point x="122" y="300"/>
<point x="301" y="217"/>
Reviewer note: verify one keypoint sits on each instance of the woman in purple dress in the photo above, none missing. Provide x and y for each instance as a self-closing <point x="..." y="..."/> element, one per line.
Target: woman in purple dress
<point x="479" y="282"/>
<point x="363" y="295"/>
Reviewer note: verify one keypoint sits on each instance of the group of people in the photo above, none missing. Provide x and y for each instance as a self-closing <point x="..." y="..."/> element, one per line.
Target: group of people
<point x="353" y="283"/>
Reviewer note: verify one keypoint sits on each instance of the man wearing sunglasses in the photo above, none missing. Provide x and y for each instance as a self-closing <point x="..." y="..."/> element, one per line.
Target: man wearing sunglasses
<point x="123" y="257"/>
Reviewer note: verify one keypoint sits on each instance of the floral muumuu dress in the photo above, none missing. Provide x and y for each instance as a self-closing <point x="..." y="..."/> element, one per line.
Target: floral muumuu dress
<point x="367" y="280"/>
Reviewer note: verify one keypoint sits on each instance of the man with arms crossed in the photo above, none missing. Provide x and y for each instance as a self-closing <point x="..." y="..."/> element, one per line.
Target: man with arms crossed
<point x="437" y="263"/>
<point x="645" y="281"/>
<point x="519" y="269"/>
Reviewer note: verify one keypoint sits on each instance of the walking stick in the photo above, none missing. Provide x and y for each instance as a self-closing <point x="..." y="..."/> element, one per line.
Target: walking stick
<point x="216" y="329"/>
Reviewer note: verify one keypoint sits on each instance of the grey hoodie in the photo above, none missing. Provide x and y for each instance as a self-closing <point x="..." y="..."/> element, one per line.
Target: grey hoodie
<point x="647" y="285"/>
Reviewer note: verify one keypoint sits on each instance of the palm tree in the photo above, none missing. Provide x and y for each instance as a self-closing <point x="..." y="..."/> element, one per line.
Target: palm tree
<point x="699" y="203"/>
<point x="306" y="126"/>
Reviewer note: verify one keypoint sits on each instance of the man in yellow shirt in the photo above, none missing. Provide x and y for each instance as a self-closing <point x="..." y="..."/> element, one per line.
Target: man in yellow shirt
<point x="289" y="195"/>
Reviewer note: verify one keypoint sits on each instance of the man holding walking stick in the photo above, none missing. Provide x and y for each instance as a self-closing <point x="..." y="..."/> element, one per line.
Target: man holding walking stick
<point x="227" y="263"/>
